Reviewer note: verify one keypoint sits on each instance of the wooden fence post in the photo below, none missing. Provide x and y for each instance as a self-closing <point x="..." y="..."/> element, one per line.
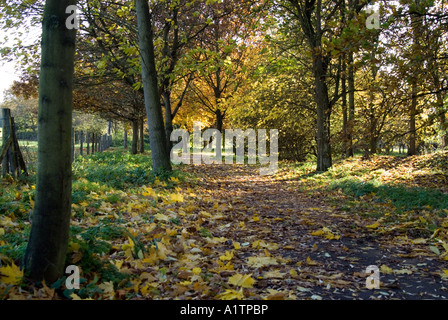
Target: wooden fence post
<point x="6" y="141"/>
<point x="88" y="142"/>
<point x="73" y="144"/>
<point x="93" y="142"/>
<point x="81" y="142"/>
<point x="10" y="155"/>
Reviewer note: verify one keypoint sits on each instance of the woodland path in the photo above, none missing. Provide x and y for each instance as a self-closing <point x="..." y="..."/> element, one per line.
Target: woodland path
<point x="322" y="251"/>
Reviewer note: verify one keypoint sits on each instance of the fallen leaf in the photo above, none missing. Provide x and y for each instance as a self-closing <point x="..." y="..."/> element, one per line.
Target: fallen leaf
<point x="243" y="281"/>
<point x="386" y="269"/>
<point x="373" y="225"/>
<point x="231" y="294"/>
<point x="257" y="262"/>
<point x="11" y="274"/>
<point x="311" y="262"/>
<point x="274" y="274"/>
<point x="435" y="250"/>
<point x="227" y="256"/>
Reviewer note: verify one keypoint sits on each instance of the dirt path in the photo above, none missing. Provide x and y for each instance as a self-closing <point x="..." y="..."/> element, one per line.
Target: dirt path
<point x="318" y="250"/>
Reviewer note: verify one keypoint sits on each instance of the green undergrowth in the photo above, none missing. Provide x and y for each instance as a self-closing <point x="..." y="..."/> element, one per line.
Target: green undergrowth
<point x="387" y="179"/>
<point x="101" y="179"/>
<point x="401" y="196"/>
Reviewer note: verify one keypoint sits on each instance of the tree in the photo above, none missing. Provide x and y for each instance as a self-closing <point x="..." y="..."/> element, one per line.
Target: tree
<point x="315" y="20"/>
<point x="46" y="251"/>
<point x="157" y="140"/>
<point x="221" y="53"/>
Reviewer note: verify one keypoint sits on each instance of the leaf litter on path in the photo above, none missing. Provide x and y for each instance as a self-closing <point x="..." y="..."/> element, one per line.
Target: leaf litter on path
<point x="232" y="234"/>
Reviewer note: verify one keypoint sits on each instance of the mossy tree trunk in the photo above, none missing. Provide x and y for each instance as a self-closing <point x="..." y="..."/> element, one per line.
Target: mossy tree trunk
<point x="157" y="140"/>
<point x="46" y="251"/>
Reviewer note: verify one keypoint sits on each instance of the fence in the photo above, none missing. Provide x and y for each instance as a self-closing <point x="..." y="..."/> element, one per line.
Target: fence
<point x="19" y="145"/>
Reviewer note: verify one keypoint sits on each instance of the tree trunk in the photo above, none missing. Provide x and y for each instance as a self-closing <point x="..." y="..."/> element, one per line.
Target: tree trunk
<point x="351" y="105"/>
<point x="219" y="120"/>
<point x="168" y="119"/>
<point x="444" y="130"/>
<point x="412" y="113"/>
<point x="416" y="22"/>
<point x="160" y="155"/>
<point x="344" y="109"/>
<point x="46" y="251"/>
<point x="142" y="135"/>
<point x="134" y="147"/>
<point x="125" y="136"/>
<point x="323" y="113"/>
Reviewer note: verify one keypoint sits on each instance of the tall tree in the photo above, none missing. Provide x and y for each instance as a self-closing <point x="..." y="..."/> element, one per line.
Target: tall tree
<point x="46" y="251"/>
<point x="157" y="139"/>
<point x="416" y="23"/>
<point x="220" y="57"/>
<point x="312" y="17"/>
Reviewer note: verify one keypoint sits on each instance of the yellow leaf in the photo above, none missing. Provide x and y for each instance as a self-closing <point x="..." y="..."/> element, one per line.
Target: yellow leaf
<point x="152" y="258"/>
<point x="258" y="244"/>
<point x="197" y="271"/>
<point x="403" y="271"/>
<point x="274" y="274"/>
<point x="236" y="245"/>
<point x="293" y="273"/>
<point x="161" y="217"/>
<point x="128" y="246"/>
<point x="7" y="222"/>
<point x="311" y="262"/>
<point x="74" y="246"/>
<point x="223" y="267"/>
<point x="2" y="232"/>
<point x="231" y="294"/>
<point x="326" y="233"/>
<point x="227" y="256"/>
<point x="386" y="269"/>
<point x="84" y="204"/>
<point x="256" y="218"/>
<point x="11" y="274"/>
<point x="243" y="281"/>
<point x="118" y="264"/>
<point x="418" y="241"/>
<point x="257" y="262"/>
<point x="74" y="296"/>
<point x="373" y="225"/>
<point x="108" y="288"/>
<point x="176" y="197"/>
<point x="149" y="192"/>
<point x="205" y="214"/>
<point x="145" y="289"/>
